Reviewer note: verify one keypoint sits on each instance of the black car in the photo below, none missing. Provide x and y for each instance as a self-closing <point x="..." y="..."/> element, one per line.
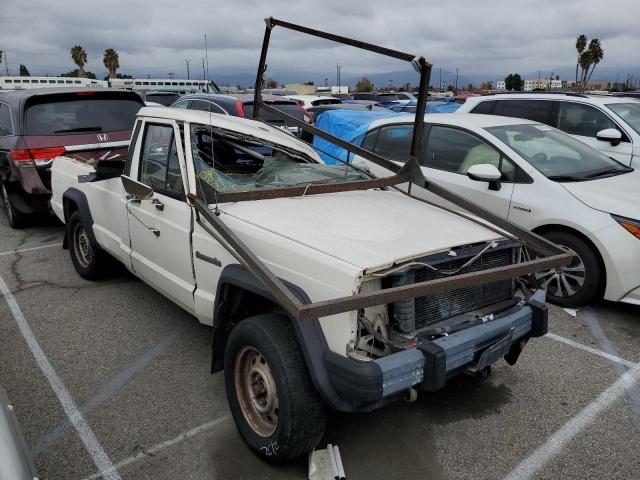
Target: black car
<point x="163" y="98"/>
<point x="242" y="106"/>
<point x="37" y="125"/>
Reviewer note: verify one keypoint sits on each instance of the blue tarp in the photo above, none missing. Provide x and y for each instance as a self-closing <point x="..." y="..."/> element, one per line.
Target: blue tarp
<point x="349" y="125"/>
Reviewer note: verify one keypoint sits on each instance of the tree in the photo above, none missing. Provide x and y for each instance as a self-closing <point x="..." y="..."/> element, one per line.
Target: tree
<point x="596" y="54"/>
<point x="111" y="61"/>
<point x="76" y="73"/>
<point x="581" y="44"/>
<point x="79" y="57"/>
<point x="364" y="85"/>
<point x="513" y="82"/>
<point x="270" y="83"/>
<point x="24" y="72"/>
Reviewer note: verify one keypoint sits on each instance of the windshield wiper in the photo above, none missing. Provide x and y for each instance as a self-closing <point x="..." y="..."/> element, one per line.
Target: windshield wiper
<point x="80" y="129"/>
<point x="609" y="171"/>
<point x="565" y="178"/>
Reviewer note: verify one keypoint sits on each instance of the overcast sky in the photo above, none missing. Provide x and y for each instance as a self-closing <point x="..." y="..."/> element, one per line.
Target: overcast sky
<point x="155" y="36"/>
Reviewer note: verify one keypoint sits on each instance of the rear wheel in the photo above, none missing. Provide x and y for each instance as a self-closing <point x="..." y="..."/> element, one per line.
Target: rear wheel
<point x="13" y="216"/>
<point x="272" y="399"/>
<point x="577" y="284"/>
<point x="88" y="258"/>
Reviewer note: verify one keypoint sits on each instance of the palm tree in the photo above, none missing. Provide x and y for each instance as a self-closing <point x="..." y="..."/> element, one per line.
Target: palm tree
<point x="581" y="44"/>
<point x="585" y="63"/>
<point x="111" y="61"/>
<point x="79" y="57"/>
<point x="596" y="54"/>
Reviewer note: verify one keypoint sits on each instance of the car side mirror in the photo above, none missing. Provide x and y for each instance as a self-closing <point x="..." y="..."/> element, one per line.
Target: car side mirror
<point x="138" y="191"/>
<point x="485" y="172"/>
<point x="611" y="135"/>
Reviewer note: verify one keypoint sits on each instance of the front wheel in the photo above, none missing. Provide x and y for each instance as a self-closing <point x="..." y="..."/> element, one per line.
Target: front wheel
<point x="577" y="284"/>
<point x="272" y="399"/>
<point x="88" y="258"/>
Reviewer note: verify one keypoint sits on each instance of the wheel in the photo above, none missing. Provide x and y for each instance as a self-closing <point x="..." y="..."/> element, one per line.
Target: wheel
<point x="13" y="216"/>
<point x="88" y="258"/>
<point x="272" y="399"/>
<point x="577" y="284"/>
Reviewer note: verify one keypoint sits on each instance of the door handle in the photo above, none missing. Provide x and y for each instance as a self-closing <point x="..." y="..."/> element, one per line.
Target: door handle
<point x="158" y="204"/>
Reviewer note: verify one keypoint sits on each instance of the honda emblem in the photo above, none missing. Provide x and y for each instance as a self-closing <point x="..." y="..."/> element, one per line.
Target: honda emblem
<point x="103" y="137"/>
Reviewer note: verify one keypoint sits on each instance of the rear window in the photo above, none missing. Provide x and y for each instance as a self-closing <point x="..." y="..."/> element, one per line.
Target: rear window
<point x="162" y="99"/>
<point x="289" y="108"/>
<point x="536" y="110"/>
<point x="65" y="114"/>
<point x="484" y="107"/>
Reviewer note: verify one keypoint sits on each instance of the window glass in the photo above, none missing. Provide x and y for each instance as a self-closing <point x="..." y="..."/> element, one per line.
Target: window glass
<point x="394" y="142"/>
<point x="159" y="164"/>
<point x="455" y="151"/>
<point x="484" y="107"/>
<point x="583" y="120"/>
<point x="630" y="113"/>
<point x="205" y="106"/>
<point x="5" y="121"/>
<point x="183" y="104"/>
<point x="555" y="154"/>
<point x="369" y="141"/>
<point x="536" y="110"/>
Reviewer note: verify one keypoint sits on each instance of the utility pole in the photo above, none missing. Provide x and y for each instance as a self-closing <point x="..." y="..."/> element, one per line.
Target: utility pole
<point x="456" y="80"/>
<point x="204" y="77"/>
<point x="187" y="62"/>
<point x="338" y="67"/>
<point x="170" y="75"/>
<point x="206" y="54"/>
<point x="6" y="65"/>
<point x="440" y="79"/>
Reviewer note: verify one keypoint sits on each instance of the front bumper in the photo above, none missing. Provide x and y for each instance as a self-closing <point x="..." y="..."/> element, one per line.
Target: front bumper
<point x="432" y="362"/>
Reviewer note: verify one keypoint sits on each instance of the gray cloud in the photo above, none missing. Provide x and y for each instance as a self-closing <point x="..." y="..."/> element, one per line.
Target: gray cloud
<point x="155" y="37"/>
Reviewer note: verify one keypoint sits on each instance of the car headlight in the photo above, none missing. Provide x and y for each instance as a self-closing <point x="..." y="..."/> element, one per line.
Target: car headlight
<point x="630" y="225"/>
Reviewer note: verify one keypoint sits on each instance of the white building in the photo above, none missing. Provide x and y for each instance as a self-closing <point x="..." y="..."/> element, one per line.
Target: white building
<point x="501" y="85"/>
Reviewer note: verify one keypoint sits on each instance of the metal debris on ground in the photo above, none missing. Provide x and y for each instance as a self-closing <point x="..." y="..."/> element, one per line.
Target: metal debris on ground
<point x="326" y="464"/>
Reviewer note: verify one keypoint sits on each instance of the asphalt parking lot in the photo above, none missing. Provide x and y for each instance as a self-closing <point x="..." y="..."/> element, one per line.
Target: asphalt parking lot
<point x="137" y="369"/>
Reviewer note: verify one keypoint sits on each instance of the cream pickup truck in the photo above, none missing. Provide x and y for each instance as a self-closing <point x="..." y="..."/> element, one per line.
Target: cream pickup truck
<point x="326" y="288"/>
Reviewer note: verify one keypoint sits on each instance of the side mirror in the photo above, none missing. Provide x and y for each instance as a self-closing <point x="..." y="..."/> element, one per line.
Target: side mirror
<point x="485" y="172"/>
<point x="139" y="191"/>
<point x="611" y="135"/>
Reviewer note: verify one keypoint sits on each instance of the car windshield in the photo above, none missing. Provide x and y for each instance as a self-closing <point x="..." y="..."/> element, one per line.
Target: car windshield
<point x="629" y="112"/>
<point x="241" y="164"/>
<point x="60" y="115"/>
<point x="555" y="154"/>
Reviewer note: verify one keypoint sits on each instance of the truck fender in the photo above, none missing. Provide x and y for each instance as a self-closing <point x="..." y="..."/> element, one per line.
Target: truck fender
<point x="308" y="332"/>
<point x="75" y="200"/>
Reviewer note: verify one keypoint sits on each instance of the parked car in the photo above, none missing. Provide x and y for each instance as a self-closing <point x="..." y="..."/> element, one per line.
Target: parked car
<point x="197" y="211"/>
<point x="38" y="125"/>
<point x="635" y="95"/>
<point x="242" y="106"/>
<point x="543" y="180"/>
<point x="163" y="98"/>
<point x="610" y="124"/>
<point x="308" y="101"/>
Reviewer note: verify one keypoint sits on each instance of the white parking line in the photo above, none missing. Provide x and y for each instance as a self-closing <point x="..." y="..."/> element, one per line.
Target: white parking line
<point x="592" y="350"/>
<point x="162" y="445"/>
<point x="20" y="250"/>
<point x="93" y="447"/>
<point x="558" y="440"/>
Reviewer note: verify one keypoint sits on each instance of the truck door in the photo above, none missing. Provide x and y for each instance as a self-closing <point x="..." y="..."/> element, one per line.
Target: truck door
<point x="160" y="227"/>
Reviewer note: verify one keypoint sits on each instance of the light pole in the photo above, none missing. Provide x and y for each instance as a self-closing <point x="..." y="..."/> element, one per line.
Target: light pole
<point x="206" y="54"/>
<point x="456" y="80"/>
<point x="187" y="62"/>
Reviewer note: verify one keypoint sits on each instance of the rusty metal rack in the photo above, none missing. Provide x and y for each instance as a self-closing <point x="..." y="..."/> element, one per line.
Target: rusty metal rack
<point x="548" y="255"/>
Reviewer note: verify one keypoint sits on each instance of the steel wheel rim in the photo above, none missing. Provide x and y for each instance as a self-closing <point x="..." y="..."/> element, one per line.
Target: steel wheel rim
<point x="566" y="281"/>
<point x="5" y="200"/>
<point x="82" y="246"/>
<point x="256" y="391"/>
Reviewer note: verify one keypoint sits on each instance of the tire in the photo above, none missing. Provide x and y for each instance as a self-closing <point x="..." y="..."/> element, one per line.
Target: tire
<point x="584" y="277"/>
<point x="88" y="258"/>
<point x="287" y="418"/>
<point x="14" y="218"/>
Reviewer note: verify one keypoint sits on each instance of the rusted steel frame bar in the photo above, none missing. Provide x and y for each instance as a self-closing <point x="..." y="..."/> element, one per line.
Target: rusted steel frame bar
<point x="262" y="65"/>
<point x="310" y="189"/>
<point x="420" y="289"/>
<point x="407" y="57"/>
<point x="281" y="293"/>
<point x="418" y="123"/>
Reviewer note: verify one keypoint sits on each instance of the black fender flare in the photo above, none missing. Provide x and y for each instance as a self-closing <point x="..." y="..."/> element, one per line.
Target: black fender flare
<point x="309" y="333"/>
<point x="73" y="195"/>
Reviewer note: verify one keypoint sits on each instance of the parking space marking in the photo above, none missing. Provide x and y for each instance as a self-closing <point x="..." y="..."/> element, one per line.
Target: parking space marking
<point x="20" y="250"/>
<point x="592" y="350"/>
<point x="167" y="443"/>
<point x="107" y="390"/>
<point x="91" y="443"/>
<point x="558" y="440"/>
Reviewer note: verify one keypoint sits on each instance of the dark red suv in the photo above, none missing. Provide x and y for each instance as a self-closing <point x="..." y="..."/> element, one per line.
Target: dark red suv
<point x="40" y="124"/>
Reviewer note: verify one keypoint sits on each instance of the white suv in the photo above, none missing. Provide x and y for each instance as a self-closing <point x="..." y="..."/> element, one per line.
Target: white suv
<point x="610" y="124"/>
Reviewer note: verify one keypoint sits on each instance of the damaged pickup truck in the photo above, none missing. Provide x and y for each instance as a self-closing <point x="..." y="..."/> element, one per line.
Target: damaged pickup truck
<point x="327" y="288"/>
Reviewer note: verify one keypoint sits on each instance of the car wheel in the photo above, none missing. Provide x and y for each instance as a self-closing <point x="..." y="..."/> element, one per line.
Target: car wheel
<point x="577" y="284"/>
<point x="272" y="399"/>
<point x="88" y="258"/>
<point x="13" y="217"/>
